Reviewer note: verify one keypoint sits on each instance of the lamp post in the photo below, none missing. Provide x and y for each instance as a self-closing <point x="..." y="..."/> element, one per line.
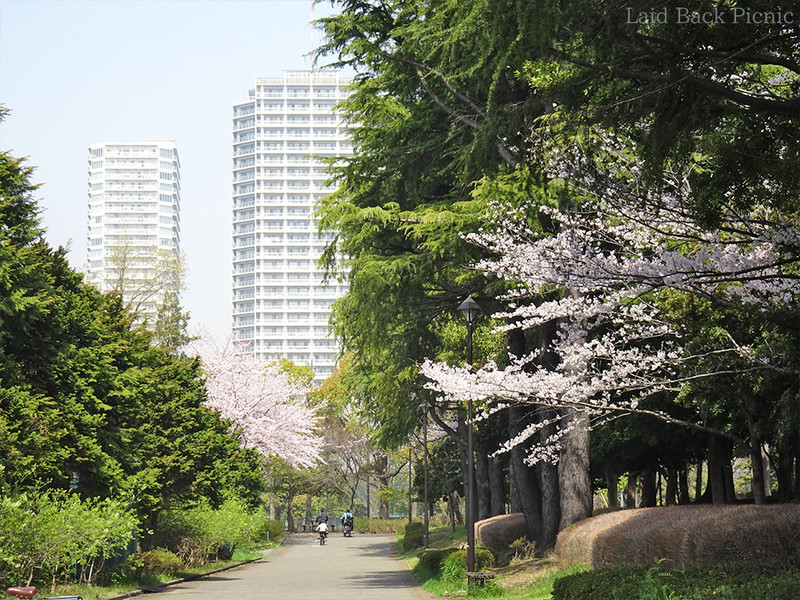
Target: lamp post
<point x="470" y="310"/>
<point x="426" y="518"/>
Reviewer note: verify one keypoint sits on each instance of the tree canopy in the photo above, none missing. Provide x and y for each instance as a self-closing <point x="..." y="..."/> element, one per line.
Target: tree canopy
<point x="85" y="397"/>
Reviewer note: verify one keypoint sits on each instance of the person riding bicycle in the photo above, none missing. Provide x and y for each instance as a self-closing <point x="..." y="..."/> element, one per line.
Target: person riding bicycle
<point x="322" y="517"/>
<point x="347" y="518"/>
<point x="347" y="523"/>
<point x="322" y="529"/>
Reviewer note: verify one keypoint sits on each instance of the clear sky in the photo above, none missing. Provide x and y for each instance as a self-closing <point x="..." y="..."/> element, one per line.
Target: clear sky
<point x="76" y="73"/>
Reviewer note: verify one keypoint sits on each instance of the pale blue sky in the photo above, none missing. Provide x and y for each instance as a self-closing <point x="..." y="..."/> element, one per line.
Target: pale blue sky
<point x="76" y="73"/>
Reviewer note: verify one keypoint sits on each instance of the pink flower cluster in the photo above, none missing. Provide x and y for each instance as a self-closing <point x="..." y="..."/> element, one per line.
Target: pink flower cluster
<point x="264" y="406"/>
<point x="600" y="269"/>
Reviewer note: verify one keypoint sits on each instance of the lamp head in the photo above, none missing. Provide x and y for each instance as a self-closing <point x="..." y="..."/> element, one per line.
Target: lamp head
<point x="470" y="308"/>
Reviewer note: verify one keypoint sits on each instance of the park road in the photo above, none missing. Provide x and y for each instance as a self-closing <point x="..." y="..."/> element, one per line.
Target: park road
<point x="363" y="566"/>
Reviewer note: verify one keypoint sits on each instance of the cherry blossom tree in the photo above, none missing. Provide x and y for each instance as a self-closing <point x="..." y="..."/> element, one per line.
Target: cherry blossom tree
<point x="264" y="404"/>
<point x="599" y="274"/>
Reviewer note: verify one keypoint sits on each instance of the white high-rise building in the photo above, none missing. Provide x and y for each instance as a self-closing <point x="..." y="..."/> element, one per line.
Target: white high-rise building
<point x="134" y="220"/>
<point x="281" y="303"/>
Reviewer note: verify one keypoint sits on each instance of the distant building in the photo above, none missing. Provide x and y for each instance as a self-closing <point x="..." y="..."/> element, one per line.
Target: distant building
<point x="281" y="305"/>
<point x="134" y="221"/>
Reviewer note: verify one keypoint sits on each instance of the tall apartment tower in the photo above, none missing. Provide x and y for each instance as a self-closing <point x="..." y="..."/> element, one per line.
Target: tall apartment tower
<point x="134" y="221"/>
<point x="281" y="303"/>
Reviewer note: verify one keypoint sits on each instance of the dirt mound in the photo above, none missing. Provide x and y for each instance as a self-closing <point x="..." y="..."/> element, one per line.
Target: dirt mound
<point x="761" y="537"/>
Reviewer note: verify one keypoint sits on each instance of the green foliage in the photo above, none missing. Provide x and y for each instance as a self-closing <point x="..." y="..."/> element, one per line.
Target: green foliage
<point x="653" y="583"/>
<point x="85" y="394"/>
<point x="404" y="201"/>
<point x="153" y="562"/>
<point x="522" y="547"/>
<point x="415" y="527"/>
<point x="455" y="565"/>
<point x="50" y="536"/>
<point x="433" y="559"/>
<point x="203" y="533"/>
<point x="485" y="589"/>
<point x="268" y="530"/>
<point x="414" y="536"/>
<point x="171" y="328"/>
<point x="365" y="525"/>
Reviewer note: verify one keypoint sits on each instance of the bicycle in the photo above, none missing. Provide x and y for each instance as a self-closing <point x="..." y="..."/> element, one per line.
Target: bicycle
<point x="347" y="528"/>
<point x="323" y="537"/>
<point x="27" y="593"/>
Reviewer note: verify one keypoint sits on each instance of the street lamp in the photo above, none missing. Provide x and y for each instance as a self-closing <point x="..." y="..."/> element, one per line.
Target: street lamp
<point x="424" y="407"/>
<point x="470" y="310"/>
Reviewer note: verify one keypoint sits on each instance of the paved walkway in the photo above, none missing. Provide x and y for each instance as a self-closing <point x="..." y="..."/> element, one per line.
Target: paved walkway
<point x="363" y="566"/>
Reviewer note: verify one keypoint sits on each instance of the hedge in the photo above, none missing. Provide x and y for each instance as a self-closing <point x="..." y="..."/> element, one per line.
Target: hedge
<point x="626" y="582"/>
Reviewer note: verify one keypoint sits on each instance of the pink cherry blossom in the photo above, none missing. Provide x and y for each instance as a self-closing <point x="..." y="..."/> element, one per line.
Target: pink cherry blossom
<point x="266" y="408"/>
<point x="607" y="255"/>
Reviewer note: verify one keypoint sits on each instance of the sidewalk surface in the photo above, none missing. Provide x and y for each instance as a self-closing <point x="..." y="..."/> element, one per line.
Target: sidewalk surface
<point x="362" y="566"/>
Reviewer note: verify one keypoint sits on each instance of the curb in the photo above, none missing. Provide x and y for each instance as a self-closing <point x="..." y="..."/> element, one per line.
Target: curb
<point x="152" y="589"/>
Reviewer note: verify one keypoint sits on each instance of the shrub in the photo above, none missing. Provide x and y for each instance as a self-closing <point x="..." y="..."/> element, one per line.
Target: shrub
<point x="455" y="565"/>
<point x="414" y="537"/>
<point x="154" y="562"/>
<point x="200" y="533"/>
<point x="415" y="527"/>
<point x="432" y="559"/>
<point x="55" y="536"/>
<point x="721" y="581"/>
<point x="365" y="525"/>
<point x="268" y="530"/>
<point x="522" y="548"/>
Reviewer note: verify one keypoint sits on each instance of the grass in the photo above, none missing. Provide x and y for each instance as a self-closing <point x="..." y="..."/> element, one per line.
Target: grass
<point x="522" y="579"/>
<point x="124" y="586"/>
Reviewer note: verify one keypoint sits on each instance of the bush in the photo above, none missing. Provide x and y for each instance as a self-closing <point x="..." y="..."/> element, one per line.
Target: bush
<point x="455" y="565"/>
<point x="432" y="559"/>
<point x="55" y="536"/>
<point x="365" y="525"/>
<point x="201" y="533"/>
<point x="731" y="583"/>
<point x="415" y="527"/>
<point x="154" y="562"/>
<point x="413" y="539"/>
<point x="268" y="530"/>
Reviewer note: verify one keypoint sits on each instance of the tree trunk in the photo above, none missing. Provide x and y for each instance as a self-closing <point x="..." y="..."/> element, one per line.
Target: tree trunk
<point x="551" y="517"/>
<point x="309" y="511"/>
<point x="683" y="486"/>
<point x="384" y="481"/>
<point x="290" y="512"/>
<point x="671" y="495"/>
<point x="369" y="500"/>
<point x="497" y="496"/>
<point x="757" y="467"/>
<point x="698" y="483"/>
<point x="630" y="491"/>
<point x="756" y="464"/>
<point x="575" y="484"/>
<point x="534" y="492"/>
<point x="454" y="508"/>
<point x="767" y="472"/>
<point x="649" y="492"/>
<point x="783" y="471"/>
<point x="463" y="455"/>
<point x="524" y="483"/>
<point x="482" y="509"/>
<point x="612" y="484"/>
<point x="720" y="470"/>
